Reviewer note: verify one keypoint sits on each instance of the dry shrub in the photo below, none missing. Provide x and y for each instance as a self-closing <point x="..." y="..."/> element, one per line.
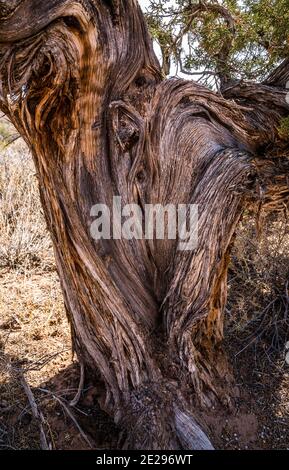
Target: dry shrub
<point x="258" y="301"/>
<point x="24" y="241"/>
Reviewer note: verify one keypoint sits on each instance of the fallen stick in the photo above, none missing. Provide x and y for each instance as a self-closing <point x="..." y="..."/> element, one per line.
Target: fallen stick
<point x="70" y="414"/>
<point x="80" y="387"/>
<point x="35" y="412"/>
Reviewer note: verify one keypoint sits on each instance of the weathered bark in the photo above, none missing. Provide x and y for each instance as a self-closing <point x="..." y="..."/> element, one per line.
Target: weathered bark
<point x="80" y="81"/>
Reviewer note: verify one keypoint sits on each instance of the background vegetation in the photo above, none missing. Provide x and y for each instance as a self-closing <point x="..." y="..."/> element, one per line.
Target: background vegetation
<point x="243" y="39"/>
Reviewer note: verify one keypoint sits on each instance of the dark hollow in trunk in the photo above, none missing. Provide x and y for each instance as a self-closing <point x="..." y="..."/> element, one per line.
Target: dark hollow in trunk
<point x="81" y="83"/>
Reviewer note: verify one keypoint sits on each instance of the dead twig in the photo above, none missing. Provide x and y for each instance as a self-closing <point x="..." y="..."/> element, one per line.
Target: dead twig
<point x="35" y="411"/>
<point x="80" y="387"/>
<point x="71" y="416"/>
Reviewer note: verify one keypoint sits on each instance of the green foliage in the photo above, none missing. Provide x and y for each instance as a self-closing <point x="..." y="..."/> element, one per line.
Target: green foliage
<point x="8" y="133"/>
<point x="284" y="128"/>
<point x="5" y="131"/>
<point x="205" y="39"/>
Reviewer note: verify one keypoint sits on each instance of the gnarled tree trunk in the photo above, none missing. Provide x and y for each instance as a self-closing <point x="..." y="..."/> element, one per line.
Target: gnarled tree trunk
<point x="80" y="81"/>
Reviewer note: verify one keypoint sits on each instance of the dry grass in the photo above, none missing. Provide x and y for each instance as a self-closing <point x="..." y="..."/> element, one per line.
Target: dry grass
<point x="24" y="241"/>
<point x="257" y="327"/>
<point x="258" y="303"/>
<point x="35" y="338"/>
<point x="34" y="332"/>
